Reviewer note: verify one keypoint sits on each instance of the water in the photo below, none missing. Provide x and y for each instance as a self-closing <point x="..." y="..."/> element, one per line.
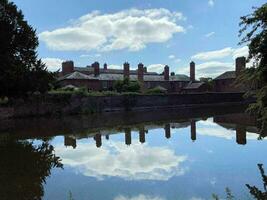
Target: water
<point x="188" y="154"/>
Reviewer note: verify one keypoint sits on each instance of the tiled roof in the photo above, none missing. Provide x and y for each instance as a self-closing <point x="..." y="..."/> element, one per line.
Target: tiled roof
<point x="194" y="85"/>
<point x="113" y="77"/>
<point x="226" y="75"/>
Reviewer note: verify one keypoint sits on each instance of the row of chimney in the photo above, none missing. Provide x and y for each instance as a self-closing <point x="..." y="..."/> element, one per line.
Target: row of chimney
<point x="68" y="67"/>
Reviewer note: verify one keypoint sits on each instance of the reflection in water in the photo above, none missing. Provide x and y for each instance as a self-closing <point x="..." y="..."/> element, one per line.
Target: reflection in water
<point x="129" y="154"/>
<point x="24" y="168"/>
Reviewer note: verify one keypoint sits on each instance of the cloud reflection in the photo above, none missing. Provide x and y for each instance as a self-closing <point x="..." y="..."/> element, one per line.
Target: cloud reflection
<point x="139" y="197"/>
<point x="115" y="159"/>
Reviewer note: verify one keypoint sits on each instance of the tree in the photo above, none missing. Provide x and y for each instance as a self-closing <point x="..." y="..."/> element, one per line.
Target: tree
<point x="24" y="168"/>
<point x="20" y="69"/>
<point x="254" y="29"/>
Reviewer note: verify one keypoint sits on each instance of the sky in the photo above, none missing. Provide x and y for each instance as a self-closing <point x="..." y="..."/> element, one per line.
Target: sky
<point x="154" y="32"/>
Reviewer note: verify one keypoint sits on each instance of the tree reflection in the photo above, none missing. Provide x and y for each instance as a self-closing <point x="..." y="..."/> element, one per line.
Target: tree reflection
<point x="24" y="168"/>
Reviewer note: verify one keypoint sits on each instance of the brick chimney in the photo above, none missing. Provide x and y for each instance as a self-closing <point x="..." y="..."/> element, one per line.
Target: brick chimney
<point x="126" y="70"/>
<point x="105" y="66"/>
<point x="192" y="71"/>
<point x="96" y="68"/>
<point x="166" y="73"/>
<point x="145" y="69"/>
<point x="67" y="67"/>
<point x="240" y="65"/>
<point x="140" y="72"/>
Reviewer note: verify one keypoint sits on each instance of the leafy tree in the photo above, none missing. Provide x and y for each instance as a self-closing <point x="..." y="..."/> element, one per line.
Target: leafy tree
<point x="24" y="168"/>
<point x="208" y="81"/>
<point x="20" y="69"/>
<point x="127" y="86"/>
<point x="254" y="29"/>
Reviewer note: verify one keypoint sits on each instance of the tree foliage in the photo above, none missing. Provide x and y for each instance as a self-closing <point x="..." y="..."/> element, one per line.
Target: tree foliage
<point x="254" y="32"/>
<point x="127" y="86"/>
<point x="20" y="69"/>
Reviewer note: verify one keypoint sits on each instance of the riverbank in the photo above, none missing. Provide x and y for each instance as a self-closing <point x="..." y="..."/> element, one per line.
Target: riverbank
<point x="70" y="104"/>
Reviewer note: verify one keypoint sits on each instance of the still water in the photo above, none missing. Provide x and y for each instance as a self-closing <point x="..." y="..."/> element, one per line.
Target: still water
<point x="161" y="155"/>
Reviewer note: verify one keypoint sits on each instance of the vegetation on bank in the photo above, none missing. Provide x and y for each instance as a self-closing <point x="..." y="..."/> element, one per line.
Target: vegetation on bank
<point x="254" y="29"/>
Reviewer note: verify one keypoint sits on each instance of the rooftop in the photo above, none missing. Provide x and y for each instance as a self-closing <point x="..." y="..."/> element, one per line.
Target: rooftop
<point x="226" y="75"/>
<point x="195" y="85"/>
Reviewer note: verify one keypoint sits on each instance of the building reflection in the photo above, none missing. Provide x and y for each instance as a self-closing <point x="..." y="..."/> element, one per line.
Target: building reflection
<point x="70" y="141"/>
<point x="239" y="123"/>
<point x="193" y="130"/>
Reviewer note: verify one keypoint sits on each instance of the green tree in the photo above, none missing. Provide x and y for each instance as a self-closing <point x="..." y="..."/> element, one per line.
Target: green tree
<point x="24" y="168"/>
<point x="20" y="69"/>
<point x="127" y="86"/>
<point x="254" y="32"/>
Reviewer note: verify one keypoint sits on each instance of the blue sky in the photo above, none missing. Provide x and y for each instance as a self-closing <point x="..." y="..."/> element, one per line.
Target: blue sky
<point x="154" y="32"/>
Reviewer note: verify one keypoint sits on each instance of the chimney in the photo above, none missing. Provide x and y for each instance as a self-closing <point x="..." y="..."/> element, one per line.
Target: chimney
<point x="192" y="71"/>
<point x="193" y="130"/>
<point x="166" y="73"/>
<point x="96" y="68"/>
<point x="105" y="66"/>
<point x="140" y="72"/>
<point x="145" y="69"/>
<point x="126" y="70"/>
<point x="67" y="67"/>
<point x="240" y="65"/>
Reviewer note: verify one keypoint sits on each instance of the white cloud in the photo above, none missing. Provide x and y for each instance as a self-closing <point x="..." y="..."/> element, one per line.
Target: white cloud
<point x="119" y="160"/>
<point x="209" y="69"/>
<point x="159" y="68"/>
<point x="129" y="29"/>
<point x="210" y="55"/>
<point x="171" y="56"/>
<point x="139" y="197"/>
<point x="208" y="35"/>
<point x="211" y="3"/>
<point x="114" y="67"/>
<point x="53" y="64"/>
<point x="222" y="53"/>
<point x="90" y="55"/>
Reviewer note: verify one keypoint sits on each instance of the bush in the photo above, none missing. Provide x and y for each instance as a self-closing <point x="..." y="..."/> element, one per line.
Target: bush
<point x="155" y="90"/>
<point x="127" y="86"/>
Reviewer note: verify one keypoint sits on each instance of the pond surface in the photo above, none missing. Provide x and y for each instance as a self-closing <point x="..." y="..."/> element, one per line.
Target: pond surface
<point x="161" y="155"/>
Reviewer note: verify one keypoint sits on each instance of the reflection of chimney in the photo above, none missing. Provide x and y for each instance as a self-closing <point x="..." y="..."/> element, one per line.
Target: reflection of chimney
<point x="96" y="69"/>
<point x="68" y="141"/>
<point x="166" y="73"/>
<point x="128" y="137"/>
<point x="193" y="130"/>
<point x="241" y="135"/>
<point x="98" y="140"/>
<point x="67" y="67"/>
<point x="240" y="65"/>
<point x="167" y="131"/>
<point x="107" y="137"/>
<point x="105" y="66"/>
<point x="140" y="72"/>
<point x="145" y="69"/>
<point x="142" y="135"/>
<point x="126" y="70"/>
<point x="192" y="71"/>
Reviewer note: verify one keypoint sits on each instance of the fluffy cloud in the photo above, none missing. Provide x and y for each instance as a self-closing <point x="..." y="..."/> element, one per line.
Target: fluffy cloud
<point x="159" y="68"/>
<point x="210" y="55"/>
<point x="209" y="69"/>
<point x="222" y="53"/>
<point x="173" y="57"/>
<point x="52" y="64"/>
<point x="211" y="3"/>
<point x="139" y="197"/>
<point x="129" y="29"/>
<point x="208" y="35"/>
<point x="119" y="160"/>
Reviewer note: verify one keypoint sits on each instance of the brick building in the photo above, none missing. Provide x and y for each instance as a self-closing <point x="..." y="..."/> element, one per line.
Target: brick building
<point x="226" y="81"/>
<point x="95" y="78"/>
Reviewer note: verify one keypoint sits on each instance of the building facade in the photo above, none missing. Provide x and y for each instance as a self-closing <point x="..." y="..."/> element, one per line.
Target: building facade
<point x="100" y="79"/>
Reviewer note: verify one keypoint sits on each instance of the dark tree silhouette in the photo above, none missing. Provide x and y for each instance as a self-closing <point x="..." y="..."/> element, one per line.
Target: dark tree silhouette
<point x="254" y="29"/>
<point x="24" y="169"/>
<point x="256" y="192"/>
<point x="20" y="70"/>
